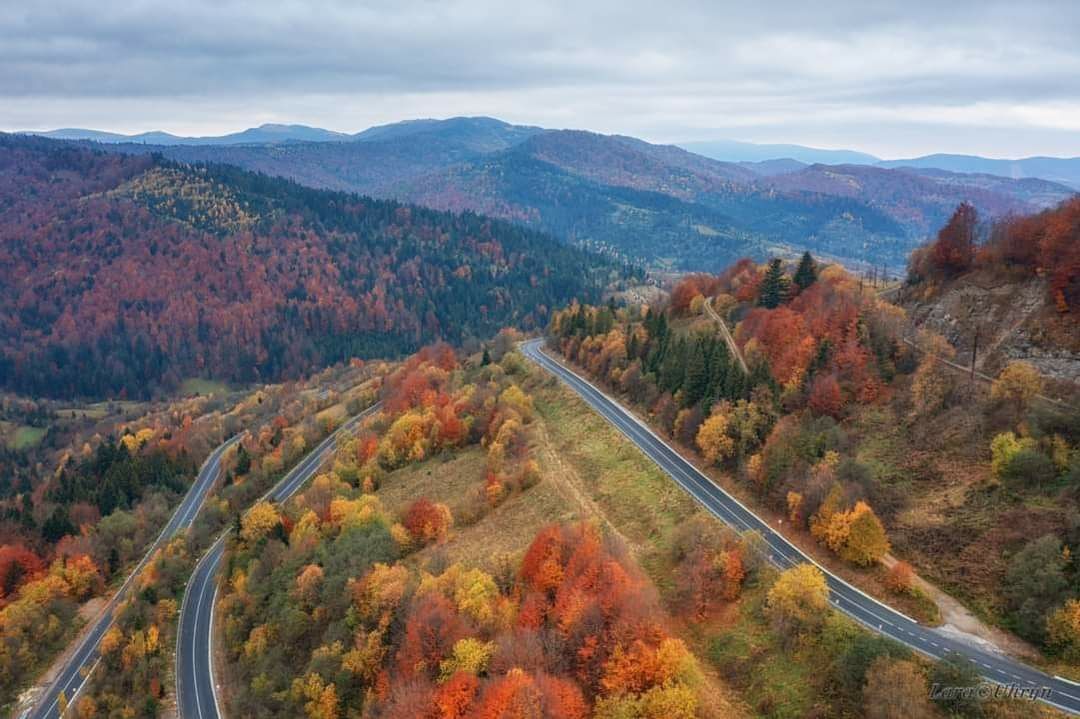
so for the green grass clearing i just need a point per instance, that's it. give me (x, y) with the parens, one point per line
(25, 436)
(203, 386)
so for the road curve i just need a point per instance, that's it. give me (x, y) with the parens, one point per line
(997, 668)
(196, 691)
(71, 679)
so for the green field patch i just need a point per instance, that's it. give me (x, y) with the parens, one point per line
(203, 386)
(24, 437)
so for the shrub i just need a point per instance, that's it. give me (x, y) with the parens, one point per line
(1029, 467)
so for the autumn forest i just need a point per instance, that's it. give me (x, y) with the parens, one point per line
(465, 535)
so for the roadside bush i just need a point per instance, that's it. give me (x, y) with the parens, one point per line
(1029, 467)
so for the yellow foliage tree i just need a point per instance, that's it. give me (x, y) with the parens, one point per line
(867, 541)
(322, 699)
(135, 651)
(896, 689)
(112, 640)
(257, 642)
(1003, 447)
(794, 506)
(797, 601)
(713, 440)
(133, 442)
(514, 397)
(1063, 629)
(258, 522)
(381, 590)
(473, 591)
(469, 655)
(365, 660)
(1017, 384)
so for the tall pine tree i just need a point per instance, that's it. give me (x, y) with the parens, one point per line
(773, 285)
(697, 375)
(806, 274)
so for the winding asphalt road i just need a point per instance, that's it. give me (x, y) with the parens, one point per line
(196, 691)
(997, 668)
(71, 678)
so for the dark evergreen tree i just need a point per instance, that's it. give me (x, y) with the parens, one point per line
(57, 525)
(697, 375)
(806, 274)
(773, 285)
(243, 460)
(719, 367)
(486, 359)
(673, 367)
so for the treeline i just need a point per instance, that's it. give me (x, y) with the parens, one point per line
(117, 475)
(1045, 244)
(697, 370)
(136, 273)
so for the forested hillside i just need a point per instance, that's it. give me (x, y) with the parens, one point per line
(130, 273)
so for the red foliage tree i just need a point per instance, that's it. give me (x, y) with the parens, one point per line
(432, 629)
(690, 287)
(426, 521)
(825, 397)
(453, 697)
(954, 249)
(782, 334)
(18, 565)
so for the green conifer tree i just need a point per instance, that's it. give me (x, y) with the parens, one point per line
(806, 274)
(773, 285)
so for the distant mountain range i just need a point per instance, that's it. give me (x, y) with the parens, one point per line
(660, 205)
(269, 134)
(1065, 170)
(733, 151)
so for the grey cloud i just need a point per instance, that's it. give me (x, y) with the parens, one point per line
(626, 66)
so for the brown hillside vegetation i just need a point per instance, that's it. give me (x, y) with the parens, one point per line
(1018, 291)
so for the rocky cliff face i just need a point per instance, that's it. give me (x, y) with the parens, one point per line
(1013, 321)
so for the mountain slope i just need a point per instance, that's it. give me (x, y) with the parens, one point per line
(133, 272)
(922, 201)
(263, 134)
(674, 210)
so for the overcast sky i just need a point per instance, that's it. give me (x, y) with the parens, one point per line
(997, 79)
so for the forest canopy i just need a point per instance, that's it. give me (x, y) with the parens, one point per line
(131, 273)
